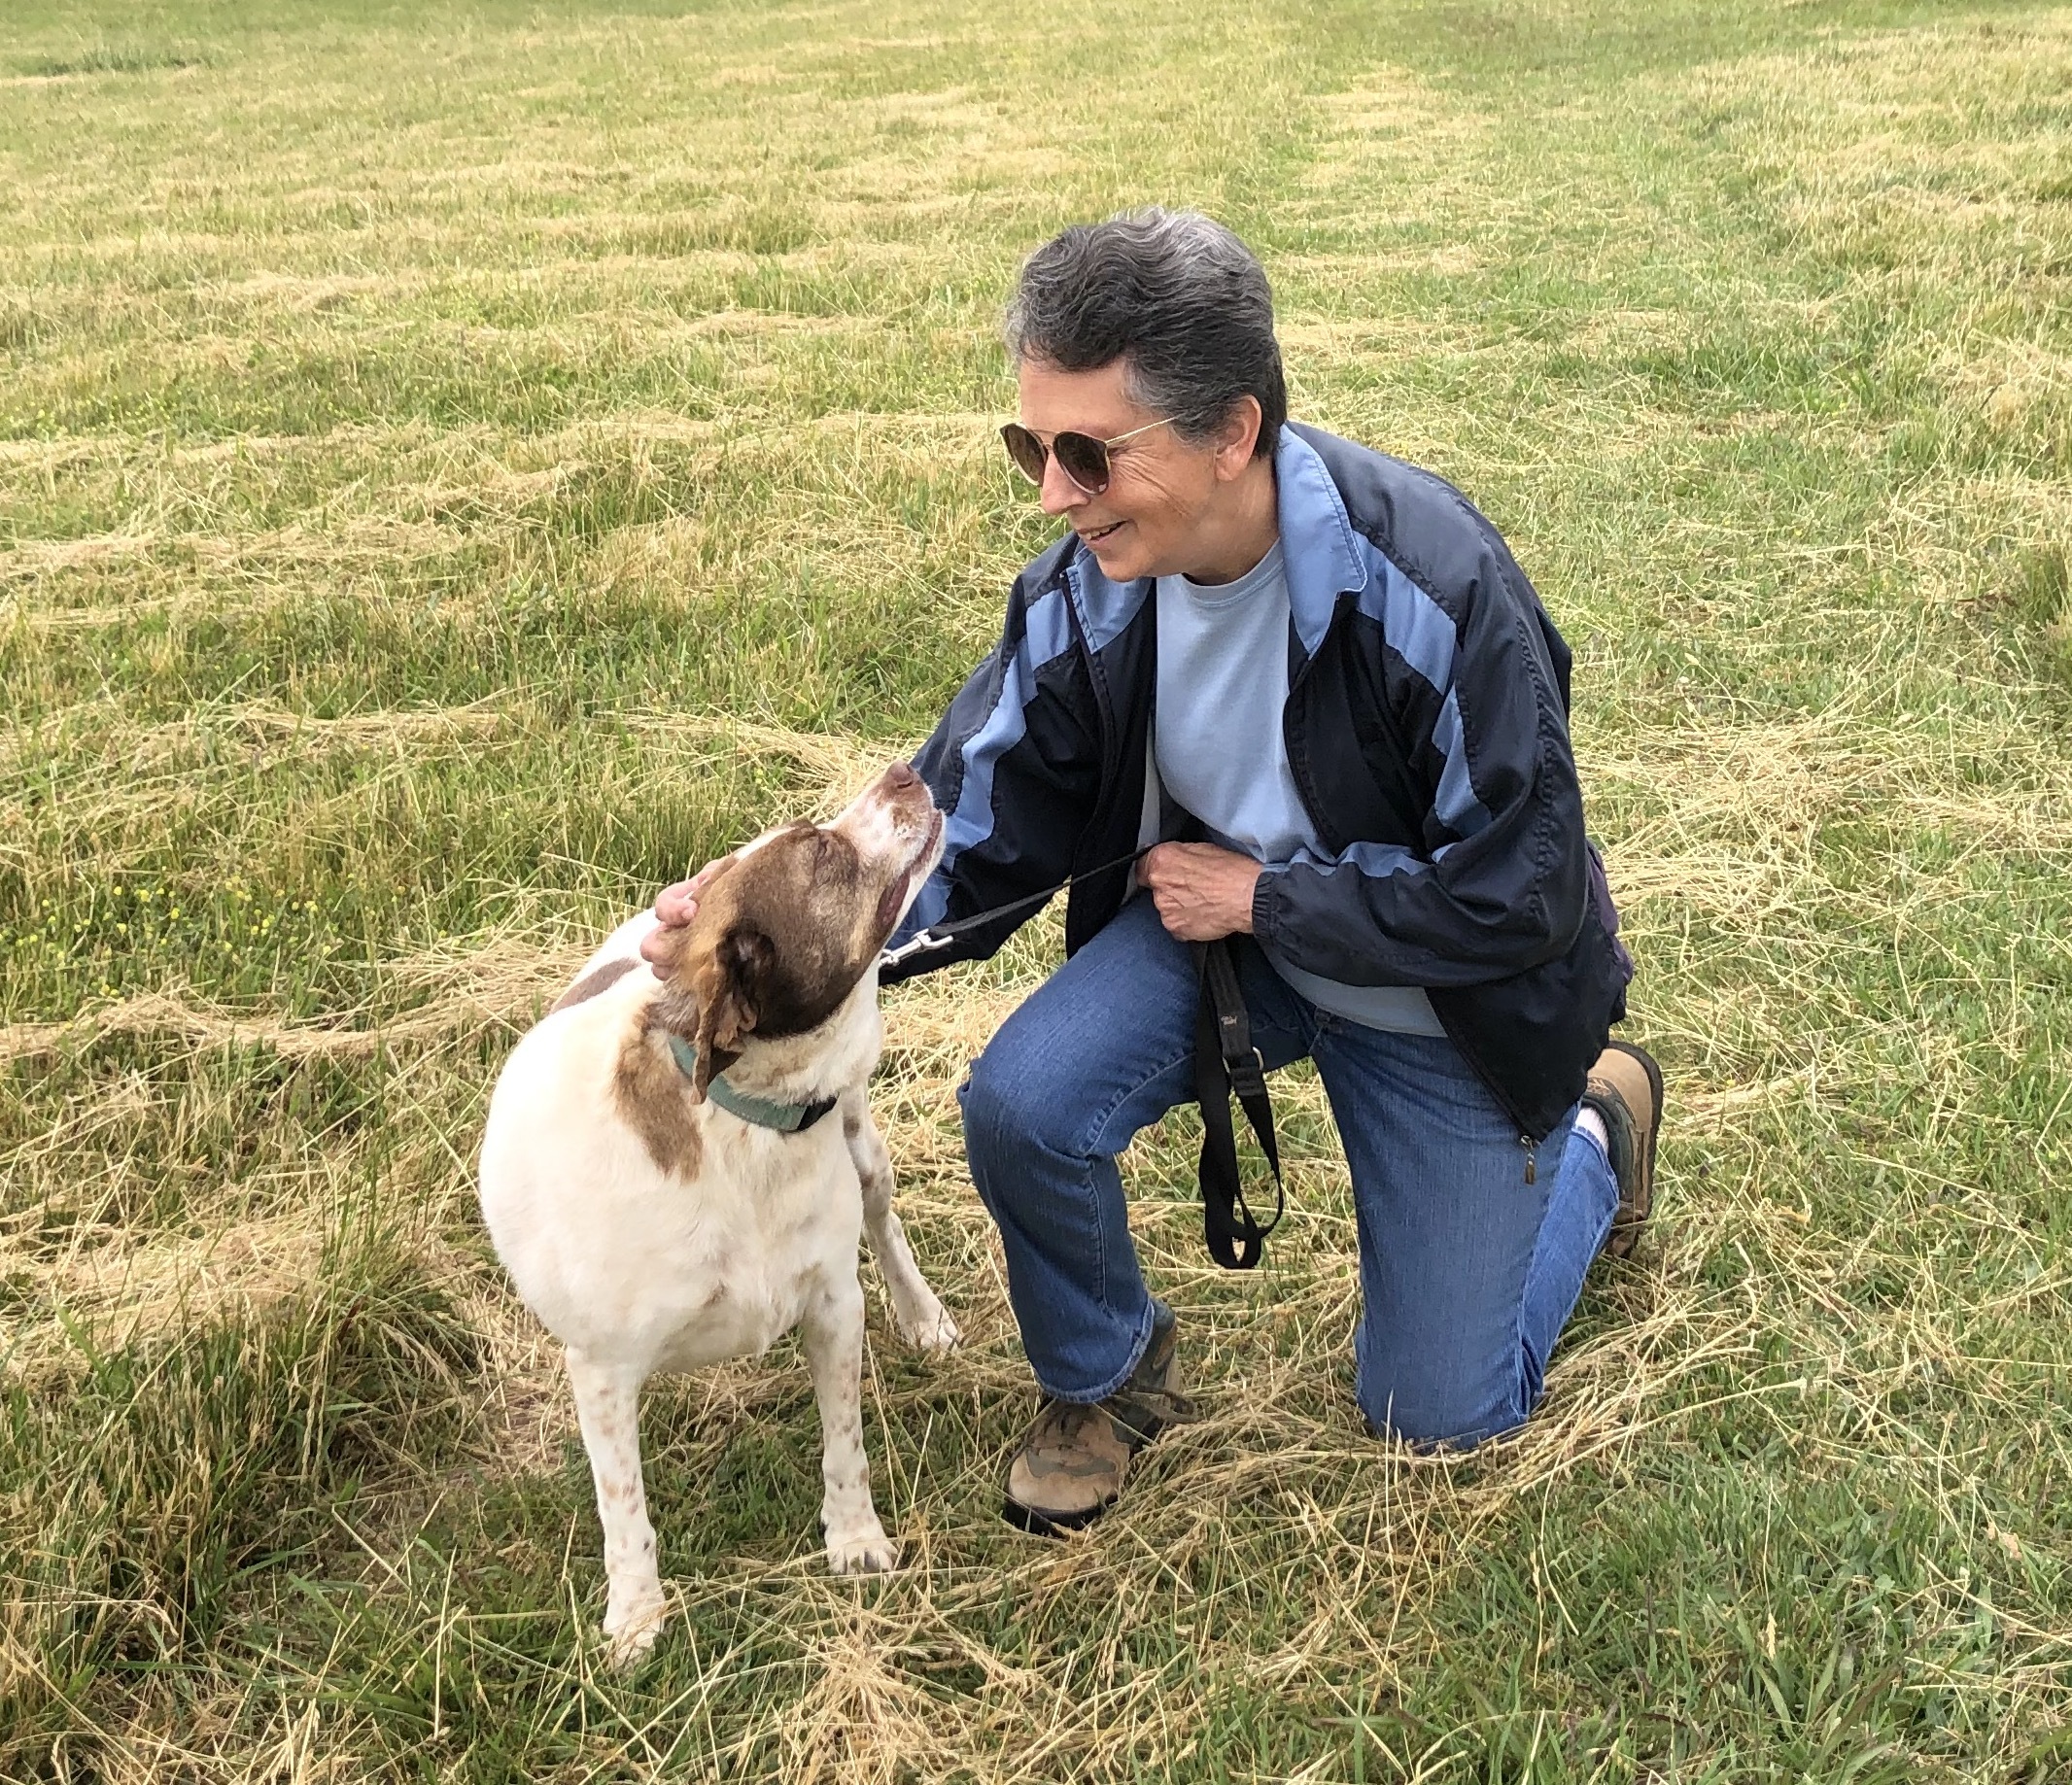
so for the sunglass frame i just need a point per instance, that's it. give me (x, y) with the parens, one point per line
(1066, 445)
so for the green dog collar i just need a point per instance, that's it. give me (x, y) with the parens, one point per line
(762, 1112)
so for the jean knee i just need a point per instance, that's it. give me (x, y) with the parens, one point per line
(1444, 1408)
(1428, 1429)
(1006, 1110)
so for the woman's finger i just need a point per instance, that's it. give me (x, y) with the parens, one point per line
(676, 906)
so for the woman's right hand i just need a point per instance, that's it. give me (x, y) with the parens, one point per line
(675, 907)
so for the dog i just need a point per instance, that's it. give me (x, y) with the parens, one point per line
(657, 1180)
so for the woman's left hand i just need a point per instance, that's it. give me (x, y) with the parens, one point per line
(1203, 893)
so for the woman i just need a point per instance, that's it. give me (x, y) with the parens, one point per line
(1325, 665)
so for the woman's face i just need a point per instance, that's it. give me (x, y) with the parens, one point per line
(1161, 503)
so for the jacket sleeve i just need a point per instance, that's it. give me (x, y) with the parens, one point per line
(1501, 884)
(1015, 770)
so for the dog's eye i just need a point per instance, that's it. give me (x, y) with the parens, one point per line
(833, 859)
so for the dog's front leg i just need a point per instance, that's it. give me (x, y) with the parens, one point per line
(856, 1543)
(923, 1321)
(607, 1407)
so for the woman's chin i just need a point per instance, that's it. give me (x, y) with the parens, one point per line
(1121, 560)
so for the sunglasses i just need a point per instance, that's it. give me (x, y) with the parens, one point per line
(1080, 456)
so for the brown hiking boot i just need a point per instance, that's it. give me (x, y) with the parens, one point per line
(1070, 1468)
(1625, 1089)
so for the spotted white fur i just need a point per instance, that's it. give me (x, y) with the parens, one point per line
(638, 1269)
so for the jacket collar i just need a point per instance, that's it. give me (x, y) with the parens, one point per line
(1316, 538)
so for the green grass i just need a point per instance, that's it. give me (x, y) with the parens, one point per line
(461, 465)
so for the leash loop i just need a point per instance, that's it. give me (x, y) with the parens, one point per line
(1226, 1063)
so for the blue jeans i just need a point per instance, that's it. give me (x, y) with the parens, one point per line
(1468, 1272)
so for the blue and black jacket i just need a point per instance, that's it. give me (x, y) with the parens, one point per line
(1427, 728)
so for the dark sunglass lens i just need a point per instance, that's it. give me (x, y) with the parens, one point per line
(1026, 449)
(1084, 461)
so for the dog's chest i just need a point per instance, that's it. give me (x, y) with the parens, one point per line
(657, 1244)
(724, 1264)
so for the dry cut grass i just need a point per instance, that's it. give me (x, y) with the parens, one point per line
(454, 475)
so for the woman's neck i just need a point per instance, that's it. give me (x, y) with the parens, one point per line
(1241, 529)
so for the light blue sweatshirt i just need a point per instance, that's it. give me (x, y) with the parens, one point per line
(1220, 753)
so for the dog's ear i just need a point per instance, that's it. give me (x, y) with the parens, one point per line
(730, 985)
(670, 947)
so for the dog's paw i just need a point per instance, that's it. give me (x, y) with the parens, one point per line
(865, 1553)
(929, 1330)
(630, 1631)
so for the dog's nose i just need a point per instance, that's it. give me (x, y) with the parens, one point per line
(901, 776)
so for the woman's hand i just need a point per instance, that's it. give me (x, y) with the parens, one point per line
(1203, 893)
(675, 907)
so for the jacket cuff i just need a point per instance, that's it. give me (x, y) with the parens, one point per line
(1265, 899)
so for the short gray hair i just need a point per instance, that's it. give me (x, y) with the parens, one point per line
(1174, 296)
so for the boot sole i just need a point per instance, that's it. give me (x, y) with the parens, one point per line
(1048, 1525)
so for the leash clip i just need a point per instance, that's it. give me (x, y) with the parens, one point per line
(920, 943)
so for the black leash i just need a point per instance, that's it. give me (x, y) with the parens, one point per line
(1226, 1063)
(942, 935)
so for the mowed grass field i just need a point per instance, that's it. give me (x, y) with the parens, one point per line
(460, 466)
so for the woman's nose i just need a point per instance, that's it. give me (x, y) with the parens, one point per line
(1059, 493)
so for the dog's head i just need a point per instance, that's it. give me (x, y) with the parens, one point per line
(787, 928)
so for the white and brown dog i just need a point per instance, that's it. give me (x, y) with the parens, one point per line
(659, 1183)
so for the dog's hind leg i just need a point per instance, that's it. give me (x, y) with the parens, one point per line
(833, 1330)
(607, 1406)
(923, 1321)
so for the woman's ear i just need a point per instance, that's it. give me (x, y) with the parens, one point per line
(1238, 437)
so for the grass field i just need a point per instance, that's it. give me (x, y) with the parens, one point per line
(462, 466)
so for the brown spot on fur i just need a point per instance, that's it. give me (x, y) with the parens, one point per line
(780, 939)
(654, 1097)
(590, 983)
(784, 931)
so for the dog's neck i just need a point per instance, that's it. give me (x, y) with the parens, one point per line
(836, 1056)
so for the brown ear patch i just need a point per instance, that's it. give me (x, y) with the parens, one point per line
(665, 945)
(727, 984)
(650, 1091)
(601, 978)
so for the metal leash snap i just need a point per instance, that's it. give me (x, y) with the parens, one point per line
(942, 935)
(918, 944)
